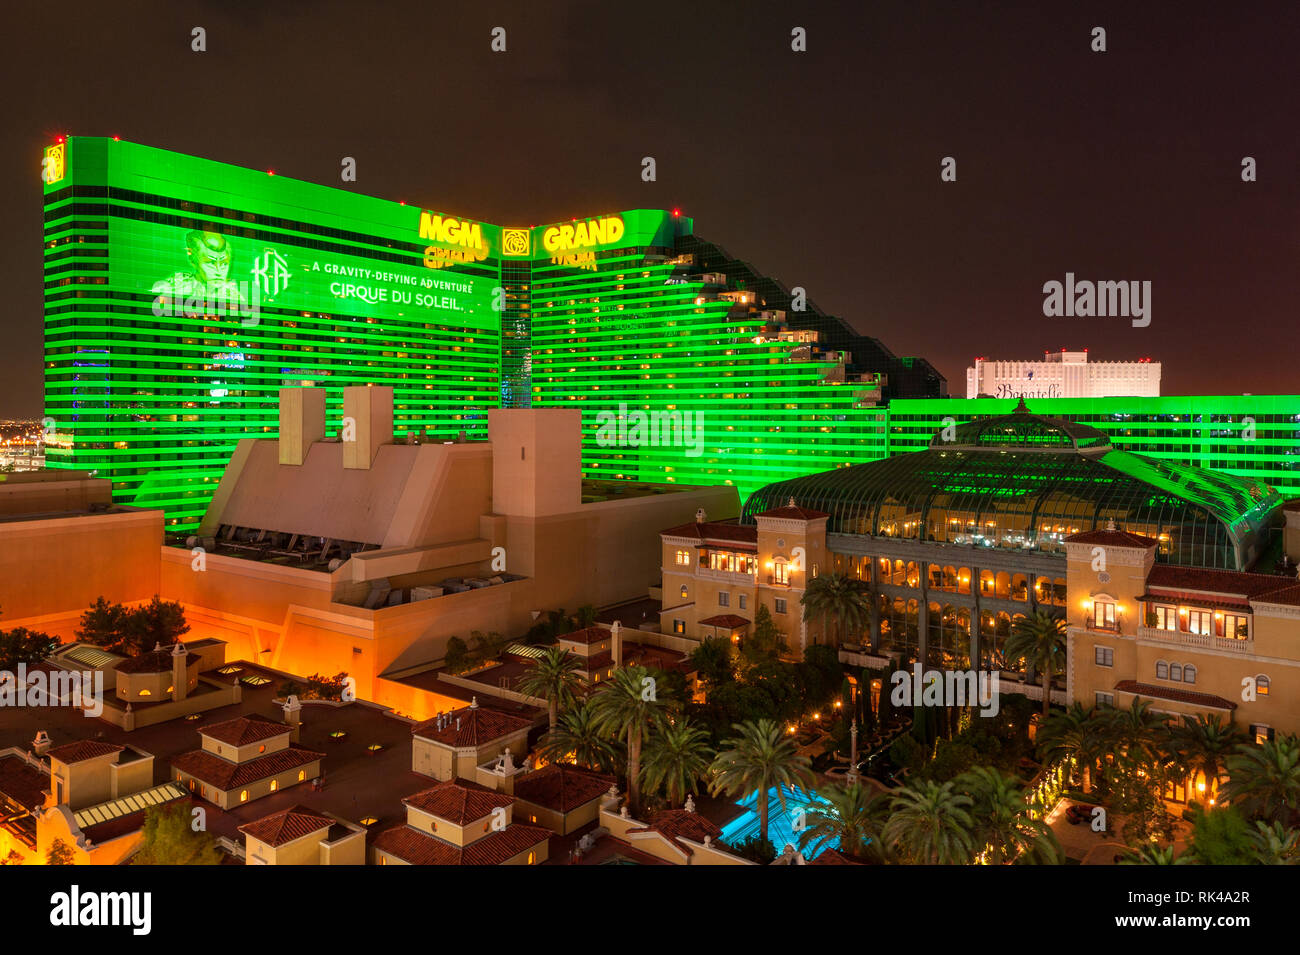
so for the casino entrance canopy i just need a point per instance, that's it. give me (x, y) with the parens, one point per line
(1025, 482)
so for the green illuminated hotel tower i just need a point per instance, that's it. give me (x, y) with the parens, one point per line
(181, 294)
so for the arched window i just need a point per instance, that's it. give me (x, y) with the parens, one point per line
(1189, 674)
(1019, 587)
(243, 796)
(1162, 670)
(302, 774)
(532, 858)
(683, 591)
(1176, 672)
(963, 580)
(913, 574)
(1261, 685)
(275, 784)
(986, 583)
(1004, 585)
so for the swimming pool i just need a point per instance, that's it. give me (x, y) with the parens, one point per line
(780, 824)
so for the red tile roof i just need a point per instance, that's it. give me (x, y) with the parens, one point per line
(22, 782)
(562, 787)
(155, 661)
(729, 620)
(722, 532)
(420, 848)
(83, 749)
(1287, 595)
(1188, 582)
(834, 857)
(225, 775)
(470, 726)
(1175, 696)
(459, 802)
(287, 825)
(794, 512)
(243, 730)
(587, 636)
(598, 662)
(1112, 538)
(674, 824)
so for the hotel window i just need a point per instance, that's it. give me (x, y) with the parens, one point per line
(262, 748)
(743, 601)
(1105, 699)
(780, 604)
(1103, 615)
(683, 558)
(1176, 672)
(532, 856)
(1189, 674)
(724, 599)
(781, 573)
(1236, 626)
(1261, 733)
(275, 784)
(1261, 685)
(683, 592)
(1162, 670)
(679, 626)
(1166, 618)
(243, 796)
(302, 774)
(1104, 656)
(1200, 621)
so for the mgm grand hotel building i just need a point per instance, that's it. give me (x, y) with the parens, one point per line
(961, 539)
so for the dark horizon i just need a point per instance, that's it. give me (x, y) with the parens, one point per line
(821, 168)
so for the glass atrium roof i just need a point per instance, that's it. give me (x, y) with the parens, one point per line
(1025, 482)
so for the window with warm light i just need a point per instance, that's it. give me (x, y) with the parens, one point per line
(781, 571)
(1235, 626)
(262, 748)
(682, 592)
(1200, 622)
(1261, 685)
(302, 774)
(243, 796)
(275, 784)
(1103, 615)
(1166, 618)
(679, 626)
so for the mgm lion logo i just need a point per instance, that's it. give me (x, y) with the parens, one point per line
(515, 241)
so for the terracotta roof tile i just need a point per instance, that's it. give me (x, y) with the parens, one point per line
(22, 782)
(1175, 696)
(459, 802)
(287, 825)
(562, 787)
(723, 532)
(225, 775)
(470, 726)
(155, 661)
(83, 749)
(1112, 538)
(419, 848)
(674, 824)
(729, 620)
(587, 636)
(243, 730)
(1188, 580)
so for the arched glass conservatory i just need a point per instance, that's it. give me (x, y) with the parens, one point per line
(1026, 482)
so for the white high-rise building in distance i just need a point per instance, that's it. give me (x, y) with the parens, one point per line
(1063, 374)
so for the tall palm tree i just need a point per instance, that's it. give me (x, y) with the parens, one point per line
(1138, 735)
(1039, 641)
(931, 824)
(1202, 744)
(842, 598)
(676, 758)
(626, 706)
(554, 677)
(576, 739)
(1072, 736)
(853, 814)
(1005, 828)
(757, 759)
(1264, 780)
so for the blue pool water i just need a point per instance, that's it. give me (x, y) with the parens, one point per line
(780, 823)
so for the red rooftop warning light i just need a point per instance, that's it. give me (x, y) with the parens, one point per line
(677, 213)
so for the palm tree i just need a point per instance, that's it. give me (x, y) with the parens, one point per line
(1072, 736)
(1149, 853)
(853, 814)
(554, 678)
(1201, 744)
(676, 758)
(1275, 844)
(1039, 641)
(1004, 822)
(931, 824)
(1264, 780)
(842, 598)
(575, 738)
(626, 707)
(757, 759)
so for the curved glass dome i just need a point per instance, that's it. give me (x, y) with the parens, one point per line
(1022, 430)
(1032, 495)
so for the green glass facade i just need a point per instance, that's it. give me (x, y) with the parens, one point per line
(181, 294)
(1255, 436)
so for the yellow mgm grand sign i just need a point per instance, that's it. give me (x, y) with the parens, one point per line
(567, 243)
(460, 241)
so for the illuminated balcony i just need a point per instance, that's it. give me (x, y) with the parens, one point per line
(1205, 641)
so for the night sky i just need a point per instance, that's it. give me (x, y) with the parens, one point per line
(819, 168)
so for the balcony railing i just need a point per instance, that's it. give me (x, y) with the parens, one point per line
(730, 576)
(1207, 641)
